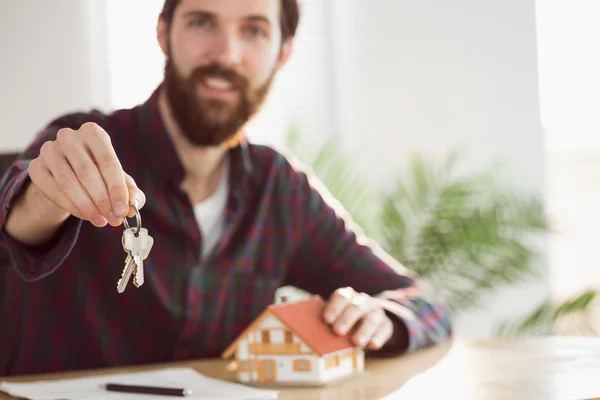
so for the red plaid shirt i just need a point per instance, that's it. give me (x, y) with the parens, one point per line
(59, 307)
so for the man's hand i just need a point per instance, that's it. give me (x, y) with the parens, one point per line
(347, 309)
(81, 174)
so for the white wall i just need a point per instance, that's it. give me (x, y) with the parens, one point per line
(435, 76)
(48, 65)
(570, 89)
(569, 79)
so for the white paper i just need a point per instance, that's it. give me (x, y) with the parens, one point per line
(90, 388)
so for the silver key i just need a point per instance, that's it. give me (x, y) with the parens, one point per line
(138, 243)
(127, 271)
(147, 242)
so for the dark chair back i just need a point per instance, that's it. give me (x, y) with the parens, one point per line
(6, 159)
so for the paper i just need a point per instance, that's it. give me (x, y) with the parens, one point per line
(89, 388)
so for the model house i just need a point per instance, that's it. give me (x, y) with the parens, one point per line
(290, 343)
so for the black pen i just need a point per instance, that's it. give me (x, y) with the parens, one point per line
(115, 387)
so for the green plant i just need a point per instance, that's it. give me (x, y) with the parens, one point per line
(570, 317)
(331, 164)
(466, 234)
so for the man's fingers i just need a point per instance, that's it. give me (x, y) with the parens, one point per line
(353, 312)
(87, 172)
(98, 144)
(67, 181)
(337, 303)
(346, 309)
(87, 178)
(136, 196)
(369, 325)
(382, 335)
(43, 179)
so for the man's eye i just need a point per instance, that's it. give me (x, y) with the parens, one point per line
(200, 22)
(255, 31)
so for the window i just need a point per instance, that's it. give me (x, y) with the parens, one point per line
(569, 68)
(332, 361)
(302, 93)
(289, 336)
(131, 24)
(302, 365)
(266, 337)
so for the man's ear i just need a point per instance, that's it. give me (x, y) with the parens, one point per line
(284, 53)
(162, 34)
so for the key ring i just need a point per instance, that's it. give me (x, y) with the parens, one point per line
(138, 219)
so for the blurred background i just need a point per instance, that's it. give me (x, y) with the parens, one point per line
(463, 136)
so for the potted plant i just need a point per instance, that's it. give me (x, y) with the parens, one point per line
(464, 234)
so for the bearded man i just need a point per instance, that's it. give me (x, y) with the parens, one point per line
(232, 221)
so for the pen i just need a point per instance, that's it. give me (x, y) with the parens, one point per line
(115, 387)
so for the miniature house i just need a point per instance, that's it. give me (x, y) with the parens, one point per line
(290, 343)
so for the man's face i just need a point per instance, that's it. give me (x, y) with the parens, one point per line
(222, 56)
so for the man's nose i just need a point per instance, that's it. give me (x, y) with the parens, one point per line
(228, 50)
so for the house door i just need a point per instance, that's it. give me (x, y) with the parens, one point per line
(266, 370)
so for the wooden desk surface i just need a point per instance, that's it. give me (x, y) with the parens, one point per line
(383, 376)
(542, 368)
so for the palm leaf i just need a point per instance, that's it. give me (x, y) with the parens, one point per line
(463, 234)
(571, 317)
(331, 165)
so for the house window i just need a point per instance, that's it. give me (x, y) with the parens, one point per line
(246, 365)
(266, 338)
(332, 362)
(302, 365)
(289, 337)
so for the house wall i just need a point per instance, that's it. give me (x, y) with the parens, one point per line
(285, 369)
(284, 363)
(344, 368)
(361, 360)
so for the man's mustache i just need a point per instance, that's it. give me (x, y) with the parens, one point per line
(218, 71)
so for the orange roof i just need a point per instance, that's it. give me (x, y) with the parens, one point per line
(305, 318)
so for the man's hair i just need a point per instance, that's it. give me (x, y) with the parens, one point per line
(290, 16)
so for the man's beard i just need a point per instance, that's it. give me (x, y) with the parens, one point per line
(211, 122)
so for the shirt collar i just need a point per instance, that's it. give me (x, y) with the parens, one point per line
(159, 152)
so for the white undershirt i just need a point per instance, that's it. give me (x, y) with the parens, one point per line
(210, 213)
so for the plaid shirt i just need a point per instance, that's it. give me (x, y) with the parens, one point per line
(59, 307)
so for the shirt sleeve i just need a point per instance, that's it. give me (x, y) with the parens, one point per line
(33, 263)
(333, 254)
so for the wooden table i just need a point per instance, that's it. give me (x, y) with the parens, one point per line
(541, 368)
(383, 376)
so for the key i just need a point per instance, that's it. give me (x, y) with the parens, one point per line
(127, 271)
(130, 263)
(139, 245)
(147, 242)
